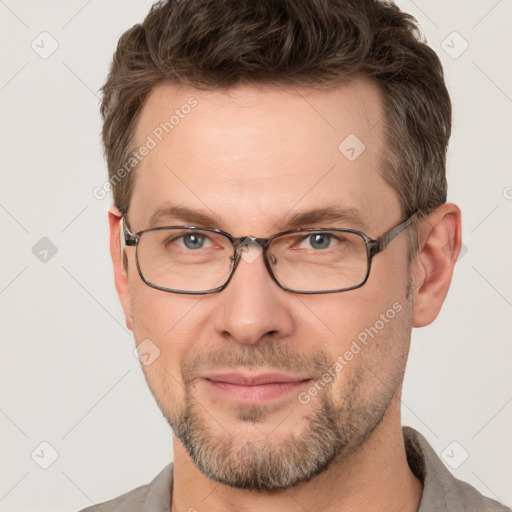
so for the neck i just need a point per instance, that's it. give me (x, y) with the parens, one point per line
(375, 476)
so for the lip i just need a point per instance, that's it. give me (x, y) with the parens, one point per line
(254, 388)
(246, 379)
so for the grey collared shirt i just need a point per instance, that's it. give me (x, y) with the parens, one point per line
(442, 492)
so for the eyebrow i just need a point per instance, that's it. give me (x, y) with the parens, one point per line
(347, 217)
(189, 216)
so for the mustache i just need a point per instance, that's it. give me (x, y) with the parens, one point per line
(271, 356)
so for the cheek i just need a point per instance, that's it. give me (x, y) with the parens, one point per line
(163, 382)
(163, 323)
(370, 359)
(341, 318)
(168, 321)
(366, 330)
(157, 314)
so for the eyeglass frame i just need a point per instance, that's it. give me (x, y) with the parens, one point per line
(373, 247)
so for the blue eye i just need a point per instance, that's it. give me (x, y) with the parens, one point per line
(320, 240)
(193, 241)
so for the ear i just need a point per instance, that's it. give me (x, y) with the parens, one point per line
(119, 263)
(439, 243)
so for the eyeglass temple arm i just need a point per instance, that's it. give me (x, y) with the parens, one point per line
(385, 238)
(127, 238)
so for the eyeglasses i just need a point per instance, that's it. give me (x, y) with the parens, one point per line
(196, 260)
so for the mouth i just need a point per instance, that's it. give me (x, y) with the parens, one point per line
(254, 388)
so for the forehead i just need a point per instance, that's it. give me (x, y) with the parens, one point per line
(251, 155)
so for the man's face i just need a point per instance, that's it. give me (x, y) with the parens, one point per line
(250, 159)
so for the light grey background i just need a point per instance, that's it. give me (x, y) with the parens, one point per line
(68, 374)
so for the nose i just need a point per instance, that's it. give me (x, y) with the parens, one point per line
(253, 306)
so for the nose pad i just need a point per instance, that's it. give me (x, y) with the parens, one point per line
(249, 249)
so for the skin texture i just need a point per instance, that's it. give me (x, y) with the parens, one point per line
(250, 158)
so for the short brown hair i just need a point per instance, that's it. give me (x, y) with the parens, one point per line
(211, 44)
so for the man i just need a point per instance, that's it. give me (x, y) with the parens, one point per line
(280, 225)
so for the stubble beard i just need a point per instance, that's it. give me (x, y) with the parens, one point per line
(331, 431)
